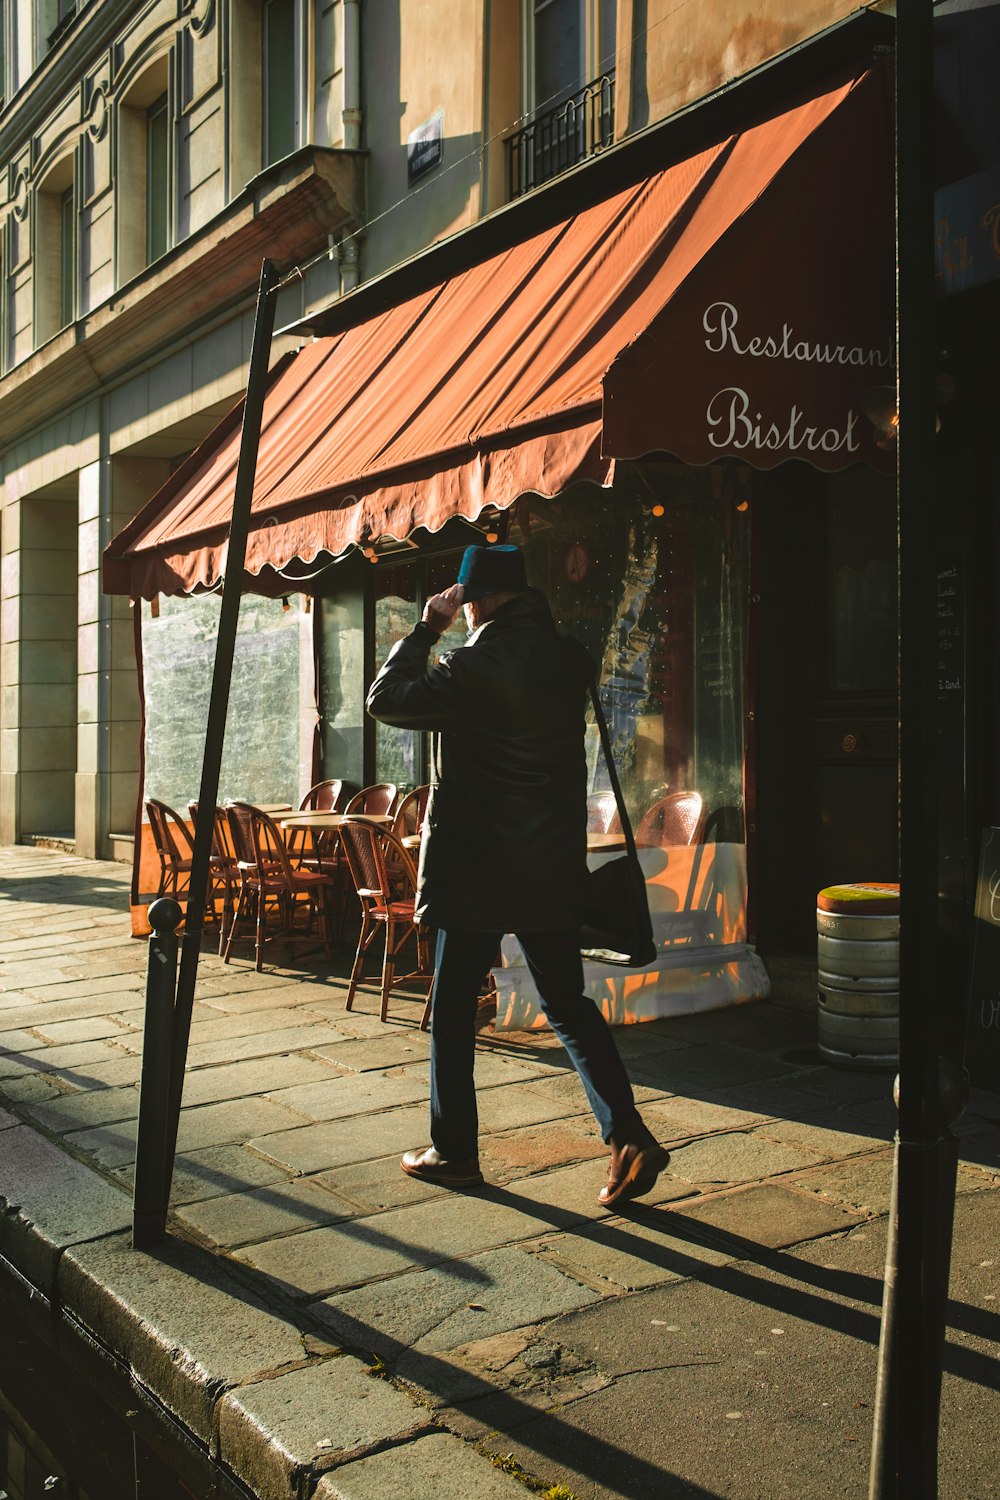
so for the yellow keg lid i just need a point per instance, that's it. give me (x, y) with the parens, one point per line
(871, 898)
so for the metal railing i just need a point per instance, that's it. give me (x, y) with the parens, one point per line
(577, 128)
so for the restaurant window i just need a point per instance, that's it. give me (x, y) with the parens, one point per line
(144, 169)
(55, 252)
(67, 256)
(342, 717)
(567, 94)
(652, 579)
(281, 80)
(157, 179)
(267, 755)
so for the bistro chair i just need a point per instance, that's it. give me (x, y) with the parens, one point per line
(328, 796)
(673, 820)
(224, 875)
(271, 891)
(325, 796)
(408, 819)
(174, 848)
(602, 813)
(376, 861)
(378, 799)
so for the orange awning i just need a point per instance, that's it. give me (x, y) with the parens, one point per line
(591, 340)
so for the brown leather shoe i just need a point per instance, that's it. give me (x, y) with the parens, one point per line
(633, 1171)
(430, 1166)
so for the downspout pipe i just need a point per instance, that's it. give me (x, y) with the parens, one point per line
(350, 270)
(351, 115)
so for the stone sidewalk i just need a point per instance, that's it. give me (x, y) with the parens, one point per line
(319, 1323)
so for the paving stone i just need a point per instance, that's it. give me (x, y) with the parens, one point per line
(79, 989)
(574, 1190)
(841, 1086)
(534, 1150)
(835, 1143)
(438, 1465)
(62, 1010)
(33, 1088)
(93, 1107)
(738, 1157)
(51, 1201)
(251, 1076)
(180, 1319)
(213, 1171)
(981, 1149)
(335, 1143)
(265, 989)
(279, 1209)
(91, 1029)
(491, 1070)
(377, 1054)
(20, 1041)
(70, 1061)
(7, 1122)
(372, 1185)
(10, 1000)
(278, 1432)
(337, 1097)
(207, 1125)
(208, 1026)
(120, 1071)
(321, 1261)
(563, 1087)
(262, 1044)
(862, 1185)
(676, 1118)
(619, 1255)
(360, 1023)
(529, 1104)
(716, 1066)
(768, 1215)
(453, 1304)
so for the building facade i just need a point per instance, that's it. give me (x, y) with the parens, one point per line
(743, 613)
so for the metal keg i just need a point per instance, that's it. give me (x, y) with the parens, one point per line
(858, 960)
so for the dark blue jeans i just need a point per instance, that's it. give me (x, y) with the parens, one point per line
(463, 958)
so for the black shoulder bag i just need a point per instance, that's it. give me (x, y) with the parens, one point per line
(616, 926)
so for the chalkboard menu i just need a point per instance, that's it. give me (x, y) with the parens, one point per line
(982, 1052)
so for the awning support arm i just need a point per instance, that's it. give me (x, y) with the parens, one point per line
(154, 1224)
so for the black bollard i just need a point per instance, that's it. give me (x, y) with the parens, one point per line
(154, 1090)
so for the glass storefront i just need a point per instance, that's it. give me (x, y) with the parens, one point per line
(268, 746)
(652, 578)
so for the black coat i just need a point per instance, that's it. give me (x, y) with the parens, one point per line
(505, 843)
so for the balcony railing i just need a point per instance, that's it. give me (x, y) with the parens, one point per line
(577, 128)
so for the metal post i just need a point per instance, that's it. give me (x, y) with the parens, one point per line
(154, 1087)
(907, 1401)
(216, 729)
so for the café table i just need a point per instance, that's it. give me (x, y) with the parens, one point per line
(327, 821)
(597, 843)
(605, 843)
(318, 822)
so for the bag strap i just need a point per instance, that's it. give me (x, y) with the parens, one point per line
(630, 848)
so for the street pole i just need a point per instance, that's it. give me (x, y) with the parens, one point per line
(154, 1220)
(908, 1392)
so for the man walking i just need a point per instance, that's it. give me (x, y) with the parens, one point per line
(504, 849)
